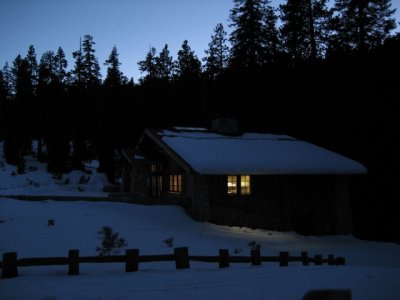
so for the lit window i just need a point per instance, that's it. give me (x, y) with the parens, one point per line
(232, 185)
(175, 183)
(233, 182)
(245, 185)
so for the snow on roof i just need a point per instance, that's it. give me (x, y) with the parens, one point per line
(254, 154)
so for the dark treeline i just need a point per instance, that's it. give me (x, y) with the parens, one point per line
(326, 75)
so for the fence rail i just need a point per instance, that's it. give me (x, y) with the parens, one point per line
(181, 256)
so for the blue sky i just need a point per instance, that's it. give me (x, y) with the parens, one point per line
(133, 26)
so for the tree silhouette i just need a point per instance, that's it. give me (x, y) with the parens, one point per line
(188, 66)
(304, 29)
(84, 94)
(90, 64)
(108, 116)
(216, 60)
(114, 76)
(148, 65)
(60, 65)
(164, 64)
(77, 72)
(32, 66)
(7, 90)
(254, 34)
(361, 25)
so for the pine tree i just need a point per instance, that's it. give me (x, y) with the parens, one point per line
(254, 38)
(4, 91)
(188, 66)
(305, 29)
(148, 65)
(85, 95)
(45, 92)
(60, 65)
(271, 41)
(21, 78)
(87, 70)
(361, 25)
(216, 60)
(77, 72)
(17, 138)
(47, 68)
(164, 64)
(52, 126)
(90, 65)
(109, 115)
(4, 95)
(6, 82)
(33, 68)
(114, 77)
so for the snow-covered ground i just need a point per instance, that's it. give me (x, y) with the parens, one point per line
(36, 181)
(372, 269)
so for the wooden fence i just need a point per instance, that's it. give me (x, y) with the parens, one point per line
(181, 257)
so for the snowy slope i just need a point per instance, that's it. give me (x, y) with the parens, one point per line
(36, 181)
(372, 270)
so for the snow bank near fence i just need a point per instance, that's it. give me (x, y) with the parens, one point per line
(372, 270)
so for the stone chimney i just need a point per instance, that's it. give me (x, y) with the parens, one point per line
(225, 126)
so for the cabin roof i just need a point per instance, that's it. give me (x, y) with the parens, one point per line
(208, 152)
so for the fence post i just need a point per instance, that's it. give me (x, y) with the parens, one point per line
(304, 258)
(318, 260)
(283, 259)
(73, 262)
(255, 257)
(223, 258)
(331, 260)
(9, 265)
(131, 260)
(182, 258)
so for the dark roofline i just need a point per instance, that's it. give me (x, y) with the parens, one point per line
(152, 134)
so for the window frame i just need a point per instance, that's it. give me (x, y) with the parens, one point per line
(240, 185)
(245, 185)
(232, 185)
(175, 183)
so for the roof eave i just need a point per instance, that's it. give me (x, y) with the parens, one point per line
(152, 134)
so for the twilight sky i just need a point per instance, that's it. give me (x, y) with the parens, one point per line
(133, 26)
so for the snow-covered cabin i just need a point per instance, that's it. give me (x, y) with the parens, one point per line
(250, 179)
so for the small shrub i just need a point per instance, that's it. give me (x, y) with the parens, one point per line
(169, 242)
(111, 243)
(51, 222)
(237, 250)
